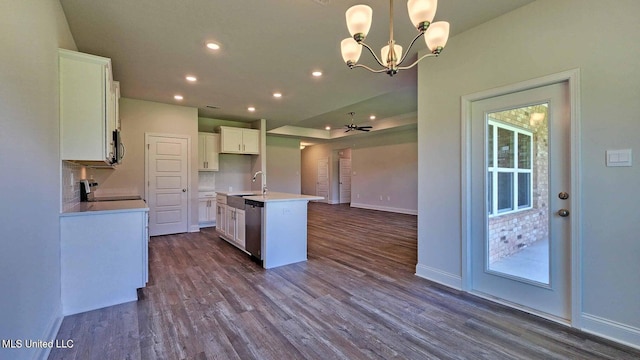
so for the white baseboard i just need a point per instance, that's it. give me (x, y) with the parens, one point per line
(439, 276)
(333, 202)
(385, 208)
(612, 330)
(194, 228)
(51, 333)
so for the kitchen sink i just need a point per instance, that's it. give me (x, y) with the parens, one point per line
(236, 201)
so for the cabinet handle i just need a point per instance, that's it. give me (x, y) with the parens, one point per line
(239, 148)
(244, 147)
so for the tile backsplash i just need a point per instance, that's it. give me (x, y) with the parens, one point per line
(71, 175)
(206, 180)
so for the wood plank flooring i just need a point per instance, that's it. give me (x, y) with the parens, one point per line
(355, 298)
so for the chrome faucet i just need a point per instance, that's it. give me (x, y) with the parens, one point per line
(264, 181)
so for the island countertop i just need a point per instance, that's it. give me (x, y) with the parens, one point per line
(271, 196)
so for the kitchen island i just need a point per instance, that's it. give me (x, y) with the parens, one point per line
(283, 230)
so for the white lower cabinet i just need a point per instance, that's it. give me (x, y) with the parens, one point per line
(104, 259)
(207, 210)
(221, 215)
(230, 223)
(240, 230)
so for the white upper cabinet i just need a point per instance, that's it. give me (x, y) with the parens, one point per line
(208, 150)
(239, 140)
(88, 115)
(116, 103)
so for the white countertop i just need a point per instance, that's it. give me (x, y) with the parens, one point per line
(271, 196)
(92, 208)
(206, 189)
(241, 192)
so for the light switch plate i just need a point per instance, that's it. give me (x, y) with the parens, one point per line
(617, 158)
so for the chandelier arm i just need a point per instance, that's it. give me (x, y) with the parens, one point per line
(417, 61)
(373, 53)
(406, 52)
(368, 68)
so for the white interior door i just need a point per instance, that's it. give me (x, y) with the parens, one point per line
(345, 181)
(167, 184)
(322, 183)
(520, 182)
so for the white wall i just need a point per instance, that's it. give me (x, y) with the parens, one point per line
(30, 33)
(137, 118)
(283, 164)
(384, 165)
(546, 37)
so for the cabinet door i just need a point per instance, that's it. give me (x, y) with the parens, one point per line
(208, 149)
(203, 211)
(211, 213)
(111, 115)
(211, 146)
(202, 152)
(84, 94)
(240, 228)
(230, 140)
(231, 223)
(250, 141)
(116, 103)
(221, 223)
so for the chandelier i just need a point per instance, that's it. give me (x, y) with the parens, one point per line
(421, 13)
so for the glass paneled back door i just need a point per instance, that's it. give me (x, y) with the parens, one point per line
(520, 163)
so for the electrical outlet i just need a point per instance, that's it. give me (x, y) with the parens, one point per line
(380, 197)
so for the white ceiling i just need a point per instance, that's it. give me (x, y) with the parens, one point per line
(267, 46)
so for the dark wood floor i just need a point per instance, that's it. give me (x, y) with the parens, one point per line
(355, 298)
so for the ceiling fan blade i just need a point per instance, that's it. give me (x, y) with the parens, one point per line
(365, 127)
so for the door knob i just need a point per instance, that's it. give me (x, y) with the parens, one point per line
(184, 190)
(563, 195)
(563, 212)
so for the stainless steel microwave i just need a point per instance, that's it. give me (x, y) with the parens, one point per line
(118, 148)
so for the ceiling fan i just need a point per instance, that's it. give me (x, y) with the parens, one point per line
(352, 126)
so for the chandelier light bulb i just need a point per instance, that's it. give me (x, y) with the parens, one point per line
(351, 50)
(385, 54)
(421, 11)
(359, 20)
(437, 35)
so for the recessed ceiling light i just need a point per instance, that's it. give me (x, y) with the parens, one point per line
(251, 108)
(327, 127)
(213, 46)
(372, 117)
(317, 73)
(178, 97)
(191, 78)
(277, 95)
(302, 147)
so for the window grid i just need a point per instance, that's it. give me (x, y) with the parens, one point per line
(493, 170)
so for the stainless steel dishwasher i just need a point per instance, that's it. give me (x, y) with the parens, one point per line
(253, 227)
